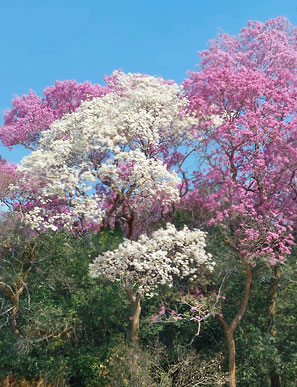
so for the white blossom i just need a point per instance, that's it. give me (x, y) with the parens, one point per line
(87, 149)
(162, 259)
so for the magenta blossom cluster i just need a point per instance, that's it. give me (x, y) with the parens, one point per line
(250, 160)
(7, 177)
(191, 306)
(32, 114)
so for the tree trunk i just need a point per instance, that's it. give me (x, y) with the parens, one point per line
(275, 379)
(274, 376)
(130, 223)
(14, 314)
(230, 328)
(232, 354)
(136, 310)
(135, 319)
(14, 300)
(272, 300)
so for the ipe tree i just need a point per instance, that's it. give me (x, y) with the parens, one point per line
(168, 257)
(115, 159)
(249, 177)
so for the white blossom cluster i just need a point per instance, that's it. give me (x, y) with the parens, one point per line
(169, 255)
(88, 148)
(139, 112)
(142, 180)
(35, 217)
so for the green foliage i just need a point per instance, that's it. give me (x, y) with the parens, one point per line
(63, 311)
(73, 329)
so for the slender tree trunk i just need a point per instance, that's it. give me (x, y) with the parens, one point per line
(232, 354)
(135, 319)
(275, 380)
(130, 227)
(135, 301)
(14, 314)
(230, 328)
(14, 301)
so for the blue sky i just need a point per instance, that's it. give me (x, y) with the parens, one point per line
(47, 40)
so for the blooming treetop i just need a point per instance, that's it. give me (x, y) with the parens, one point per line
(251, 161)
(111, 155)
(32, 114)
(140, 112)
(168, 257)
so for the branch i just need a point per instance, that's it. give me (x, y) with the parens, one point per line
(7, 290)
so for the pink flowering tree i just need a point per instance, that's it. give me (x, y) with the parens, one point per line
(31, 114)
(168, 257)
(249, 179)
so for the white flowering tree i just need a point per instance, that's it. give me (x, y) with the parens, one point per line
(114, 157)
(168, 257)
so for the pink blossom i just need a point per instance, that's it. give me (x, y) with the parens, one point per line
(162, 310)
(178, 318)
(32, 114)
(250, 81)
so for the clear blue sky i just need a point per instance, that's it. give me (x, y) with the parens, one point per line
(47, 40)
